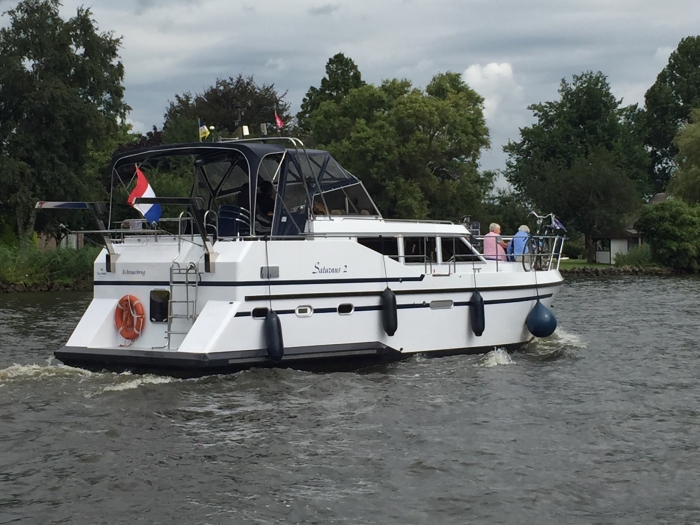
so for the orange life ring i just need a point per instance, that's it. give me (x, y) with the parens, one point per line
(129, 317)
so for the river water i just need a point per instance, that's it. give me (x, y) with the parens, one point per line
(599, 423)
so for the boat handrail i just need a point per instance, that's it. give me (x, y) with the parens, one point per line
(414, 221)
(296, 143)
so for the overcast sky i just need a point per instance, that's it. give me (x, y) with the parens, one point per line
(512, 52)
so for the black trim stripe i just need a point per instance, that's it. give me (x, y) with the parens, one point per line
(371, 308)
(132, 283)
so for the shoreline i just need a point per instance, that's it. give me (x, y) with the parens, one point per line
(615, 270)
(46, 287)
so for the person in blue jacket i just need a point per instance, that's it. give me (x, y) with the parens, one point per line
(518, 244)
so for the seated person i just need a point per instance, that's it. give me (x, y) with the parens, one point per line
(518, 244)
(319, 208)
(494, 245)
(265, 207)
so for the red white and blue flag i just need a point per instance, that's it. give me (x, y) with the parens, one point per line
(150, 212)
(279, 121)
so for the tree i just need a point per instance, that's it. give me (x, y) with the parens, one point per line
(227, 105)
(685, 183)
(671, 229)
(583, 160)
(416, 152)
(505, 208)
(668, 105)
(342, 75)
(60, 95)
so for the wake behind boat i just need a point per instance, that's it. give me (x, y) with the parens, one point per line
(280, 258)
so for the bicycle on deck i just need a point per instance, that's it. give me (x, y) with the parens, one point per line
(543, 248)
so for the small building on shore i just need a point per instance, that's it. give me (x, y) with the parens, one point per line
(71, 240)
(621, 240)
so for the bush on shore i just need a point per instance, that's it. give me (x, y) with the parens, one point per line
(29, 266)
(637, 256)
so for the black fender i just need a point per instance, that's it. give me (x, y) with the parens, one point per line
(476, 313)
(390, 320)
(273, 336)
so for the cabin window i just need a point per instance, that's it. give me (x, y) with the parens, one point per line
(456, 249)
(237, 177)
(441, 304)
(383, 245)
(346, 309)
(304, 311)
(420, 249)
(260, 313)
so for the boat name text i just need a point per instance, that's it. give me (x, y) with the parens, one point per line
(330, 269)
(134, 272)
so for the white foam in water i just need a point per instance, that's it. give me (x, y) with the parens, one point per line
(559, 340)
(137, 382)
(22, 372)
(565, 338)
(496, 357)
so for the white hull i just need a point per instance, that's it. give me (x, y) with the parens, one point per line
(316, 277)
(294, 273)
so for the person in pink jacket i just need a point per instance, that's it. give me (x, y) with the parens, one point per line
(494, 245)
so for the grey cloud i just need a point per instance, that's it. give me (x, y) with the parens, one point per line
(143, 6)
(284, 44)
(323, 10)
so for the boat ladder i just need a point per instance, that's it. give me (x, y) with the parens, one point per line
(182, 304)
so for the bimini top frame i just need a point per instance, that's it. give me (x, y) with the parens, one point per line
(305, 180)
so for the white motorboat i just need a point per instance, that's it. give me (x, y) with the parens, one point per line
(318, 280)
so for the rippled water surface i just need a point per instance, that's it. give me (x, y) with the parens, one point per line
(597, 424)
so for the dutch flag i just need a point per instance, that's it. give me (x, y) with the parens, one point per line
(150, 212)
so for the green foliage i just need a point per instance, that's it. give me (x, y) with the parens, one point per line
(30, 266)
(685, 183)
(226, 105)
(342, 75)
(669, 103)
(505, 208)
(637, 256)
(574, 247)
(60, 95)
(671, 229)
(583, 159)
(415, 151)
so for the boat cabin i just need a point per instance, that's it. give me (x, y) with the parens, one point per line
(245, 188)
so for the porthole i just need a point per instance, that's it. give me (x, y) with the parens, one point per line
(259, 313)
(304, 311)
(346, 309)
(441, 304)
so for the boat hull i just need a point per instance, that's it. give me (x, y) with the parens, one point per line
(328, 296)
(186, 365)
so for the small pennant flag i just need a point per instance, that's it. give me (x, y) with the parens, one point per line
(203, 132)
(150, 212)
(279, 121)
(556, 224)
